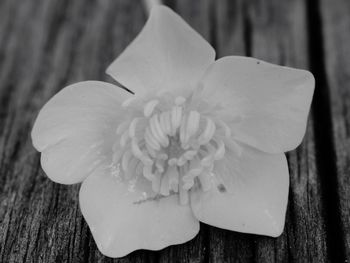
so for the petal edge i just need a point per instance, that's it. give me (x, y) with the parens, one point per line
(167, 54)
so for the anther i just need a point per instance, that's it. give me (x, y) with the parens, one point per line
(183, 131)
(176, 117)
(173, 176)
(192, 125)
(181, 161)
(208, 132)
(157, 131)
(165, 122)
(132, 127)
(149, 107)
(139, 154)
(190, 154)
(164, 187)
(150, 140)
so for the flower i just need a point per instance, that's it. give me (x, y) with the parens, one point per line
(200, 140)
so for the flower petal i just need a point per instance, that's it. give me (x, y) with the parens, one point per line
(272, 101)
(75, 128)
(124, 218)
(253, 197)
(167, 54)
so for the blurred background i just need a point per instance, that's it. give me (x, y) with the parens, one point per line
(48, 44)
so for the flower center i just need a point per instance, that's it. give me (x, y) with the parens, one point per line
(174, 143)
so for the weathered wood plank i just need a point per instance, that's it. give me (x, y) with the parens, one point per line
(47, 44)
(275, 31)
(44, 46)
(335, 21)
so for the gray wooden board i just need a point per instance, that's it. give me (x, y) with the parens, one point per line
(48, 44)
(336, 39)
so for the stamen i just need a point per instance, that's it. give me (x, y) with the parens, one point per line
(175, 146)
(162, 156)
(149, 107)
(150, 150)
(194, 170)
(172, 162)
(164, 187)
(132, 127)
(208, 133)
(168, 127)
(173, 176)
(181, 161)
(139, 154)
(188, 180)
(157, 131)
(165, 123)
(190, 154)
(176, 117)
(182, 131)
(192, 125)
(209, 159)
(151, 141)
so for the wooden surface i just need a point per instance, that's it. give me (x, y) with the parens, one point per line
(47, 44)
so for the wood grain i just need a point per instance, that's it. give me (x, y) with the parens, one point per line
(336, 38)
(48, 44)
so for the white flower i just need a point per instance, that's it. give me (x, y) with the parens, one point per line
(201, 140)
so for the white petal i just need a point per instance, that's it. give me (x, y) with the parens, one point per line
(121, 221)
(255, 196)
(272, 101)
(75, 129)
(168, 54)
